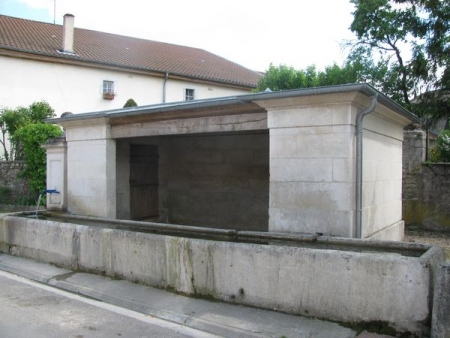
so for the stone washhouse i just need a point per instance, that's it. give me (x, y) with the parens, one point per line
(319, 160)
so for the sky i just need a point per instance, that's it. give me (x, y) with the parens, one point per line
(253, 33)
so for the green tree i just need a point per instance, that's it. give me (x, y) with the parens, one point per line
(11, 120)
(27, 132)
(32, 136)
(40, 111)
(411, 40)
(279, 78)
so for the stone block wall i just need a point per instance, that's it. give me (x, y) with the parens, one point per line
(13, 188)
(311, 171)
(217, 181)
(426, 188)
(436, 197)
(91, 170)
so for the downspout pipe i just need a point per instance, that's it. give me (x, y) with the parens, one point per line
(359, 161)
(164, 86)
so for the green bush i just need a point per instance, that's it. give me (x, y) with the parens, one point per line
(441, 150)
(130, 103)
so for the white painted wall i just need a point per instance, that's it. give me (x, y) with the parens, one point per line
(382, 173)
(176, 89)
(57, 175)
(78, 89)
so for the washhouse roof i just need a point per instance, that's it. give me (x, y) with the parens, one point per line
(241, 103)
(105, 49)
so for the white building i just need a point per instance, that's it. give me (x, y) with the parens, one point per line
(80, 70)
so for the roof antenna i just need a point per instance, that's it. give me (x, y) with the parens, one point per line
(54, 12)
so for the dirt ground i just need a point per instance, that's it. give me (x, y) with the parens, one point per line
(441, 239)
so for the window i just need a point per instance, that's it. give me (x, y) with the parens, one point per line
(189, 94)
(108, 87)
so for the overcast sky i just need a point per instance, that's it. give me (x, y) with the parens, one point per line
(253, 33)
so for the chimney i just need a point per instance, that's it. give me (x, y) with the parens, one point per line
(68, 28)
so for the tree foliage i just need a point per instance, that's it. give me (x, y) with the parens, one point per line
(356, 69)
(411, 41)
(27, 132)
(11, 120)
(32, 136)
(283, 77)
(441, 150)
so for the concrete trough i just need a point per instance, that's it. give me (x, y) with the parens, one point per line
(344, 280)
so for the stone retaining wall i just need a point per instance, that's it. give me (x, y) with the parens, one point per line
(426, 188)
(12, 188)
(441, 304)
(436, 197)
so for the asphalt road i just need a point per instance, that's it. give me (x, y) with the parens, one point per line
(30, 309)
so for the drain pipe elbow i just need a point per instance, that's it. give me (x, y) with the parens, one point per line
(359, 161)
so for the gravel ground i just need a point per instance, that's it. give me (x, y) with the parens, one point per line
(441, 239)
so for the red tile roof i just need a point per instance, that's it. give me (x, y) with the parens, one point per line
(121, 51)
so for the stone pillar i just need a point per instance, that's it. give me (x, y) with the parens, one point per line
(123, 185)
(414, 152)
(91, 167)
(57, 173)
